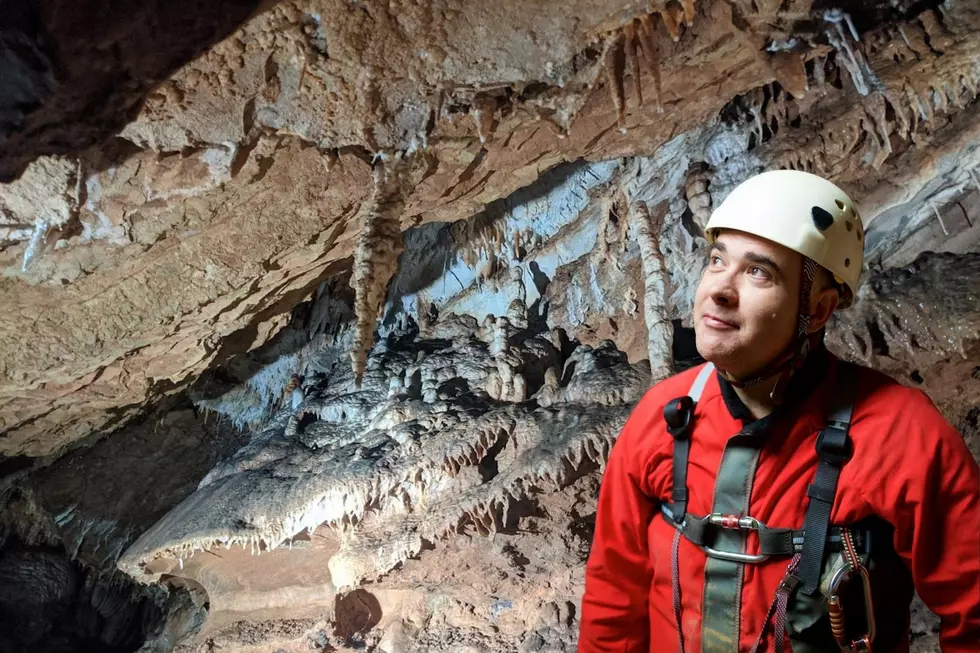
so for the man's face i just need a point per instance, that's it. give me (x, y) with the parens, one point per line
(746, 305)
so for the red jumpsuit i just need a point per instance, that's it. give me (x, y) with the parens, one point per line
(909, 468)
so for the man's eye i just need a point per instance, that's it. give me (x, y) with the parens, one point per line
(715, 260)
(758, 272)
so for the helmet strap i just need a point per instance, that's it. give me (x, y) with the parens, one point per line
(792, 359)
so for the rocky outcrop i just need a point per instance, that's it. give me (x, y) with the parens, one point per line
(75, 73)
(368, 284)
(245, 178)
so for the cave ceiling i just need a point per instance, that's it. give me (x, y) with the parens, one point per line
(211, 190)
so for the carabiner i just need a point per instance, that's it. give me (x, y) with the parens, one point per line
(735, 522)
(837, 625)
(734, 557)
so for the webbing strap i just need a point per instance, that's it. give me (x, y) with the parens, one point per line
(777, 611)
(682, 442)
(833, 448)
(702, 379)
(774, 542)
(722, 599)
(678, 492)
(678, 506)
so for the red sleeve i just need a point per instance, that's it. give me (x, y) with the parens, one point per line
(617, 576)
(929, 490)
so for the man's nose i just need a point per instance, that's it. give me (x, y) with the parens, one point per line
(723, 290)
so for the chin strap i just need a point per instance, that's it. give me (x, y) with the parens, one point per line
(789, 363)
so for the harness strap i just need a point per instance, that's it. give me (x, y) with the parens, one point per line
(679, 413)
(807, 546)
(834, 449)
(773, 542)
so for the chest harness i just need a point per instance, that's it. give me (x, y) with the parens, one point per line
(805, 547)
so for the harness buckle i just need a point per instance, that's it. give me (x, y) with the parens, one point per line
(789, 583)
(677, 414)
(833, 445)
(735, 522)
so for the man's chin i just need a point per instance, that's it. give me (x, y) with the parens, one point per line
(726, 356)
(714, 349)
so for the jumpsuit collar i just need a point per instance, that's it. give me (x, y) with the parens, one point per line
(801, 387)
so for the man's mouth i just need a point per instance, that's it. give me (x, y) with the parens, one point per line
(716, 322)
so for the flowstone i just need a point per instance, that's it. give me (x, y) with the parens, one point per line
(445, 436)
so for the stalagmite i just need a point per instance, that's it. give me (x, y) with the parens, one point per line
(660, 331)
(376, 257)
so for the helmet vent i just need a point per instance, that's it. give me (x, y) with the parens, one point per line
(847, 263)
(850, 225)
(822, 219)
(840, 205)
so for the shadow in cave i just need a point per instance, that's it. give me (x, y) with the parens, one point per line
(52, 604)
(685, 348)
(355, 614)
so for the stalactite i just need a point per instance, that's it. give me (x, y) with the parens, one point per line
(820, 72)
(938, 37)
(649, 46)
(671, 16)
(689, 11)
(905, 125)
(851, 56)
(376, 257)
(639, 36)
(915, 39)
(35, 245)
(875, 109)
(790, 72)
(632, 55)
(484, 111)
(613, 62)
(660, 330)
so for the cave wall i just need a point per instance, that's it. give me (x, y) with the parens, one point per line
(182, 426)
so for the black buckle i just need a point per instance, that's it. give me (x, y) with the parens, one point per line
(677, 414)
(833, 445)
(789, 583)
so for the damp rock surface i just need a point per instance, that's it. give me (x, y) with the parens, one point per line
(302, 299)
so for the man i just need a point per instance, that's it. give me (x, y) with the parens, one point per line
(749, 516)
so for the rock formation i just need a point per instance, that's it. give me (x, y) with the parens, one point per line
(302, 298)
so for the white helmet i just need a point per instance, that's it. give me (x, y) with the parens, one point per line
(803, 212)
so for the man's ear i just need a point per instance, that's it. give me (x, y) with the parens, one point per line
(823, 303)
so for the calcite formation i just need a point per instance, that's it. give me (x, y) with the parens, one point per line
(429, 446)
(289, 110)
(660, 332)
(354, 285)
(376, 255)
